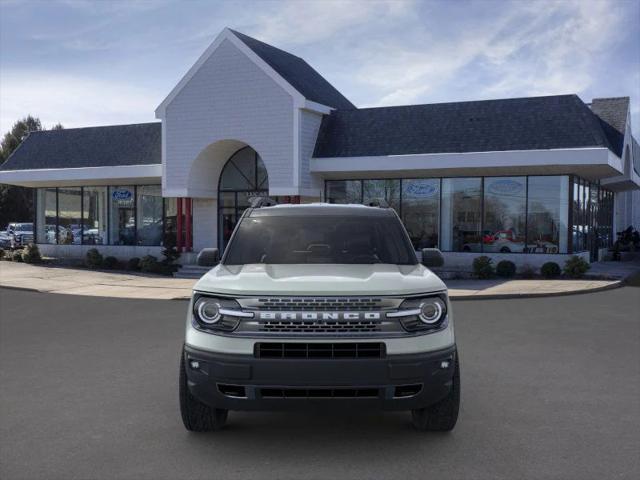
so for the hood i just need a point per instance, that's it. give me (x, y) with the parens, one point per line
(320, 279)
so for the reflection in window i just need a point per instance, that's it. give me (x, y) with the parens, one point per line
(420, 211)
(385, 193)
(170, 219)
(344, 191)
(461, 214)
(46, 215)
(122, 221)
(504, 214)
(548, 211)
(69, 216)
(149, 215)
(94, 216)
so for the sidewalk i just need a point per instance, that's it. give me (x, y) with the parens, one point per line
(74, 281)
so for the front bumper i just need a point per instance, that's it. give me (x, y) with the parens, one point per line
(244, 382)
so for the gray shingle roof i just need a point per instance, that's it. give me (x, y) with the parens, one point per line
(117, 145)
(298, 73)
(562, 121)
(613, 115)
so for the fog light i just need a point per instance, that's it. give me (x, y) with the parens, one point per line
(194, 364)
(444, 364)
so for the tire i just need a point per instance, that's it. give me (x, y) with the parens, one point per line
(197, 416)
(441, 416)
(505, 250)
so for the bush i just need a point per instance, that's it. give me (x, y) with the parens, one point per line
(16, 256)
(1, 253)
(149, 264)
(550, 270)
(483, 267)
(506, 269)
(110, 263)
(94, 258)
(576, 267)
(133, 264)
(31, 254)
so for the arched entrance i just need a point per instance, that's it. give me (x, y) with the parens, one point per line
(243, 176)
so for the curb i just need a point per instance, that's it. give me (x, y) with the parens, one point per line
(508, 296)
(454, 298)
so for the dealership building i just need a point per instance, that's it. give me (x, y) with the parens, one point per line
(529, 179)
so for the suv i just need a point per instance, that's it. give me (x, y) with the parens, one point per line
(320, 303)
(18, 235)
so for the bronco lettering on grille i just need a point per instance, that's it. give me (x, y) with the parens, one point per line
(319, 315)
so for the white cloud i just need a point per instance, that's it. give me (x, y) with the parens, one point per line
(530, 48)
(73, 101)
(295, 22)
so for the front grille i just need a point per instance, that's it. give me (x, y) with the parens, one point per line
(319, 304)
(319, 392)
(320, 350)
(319, 326)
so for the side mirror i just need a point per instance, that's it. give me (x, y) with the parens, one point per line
(432, 257)
(208, 257)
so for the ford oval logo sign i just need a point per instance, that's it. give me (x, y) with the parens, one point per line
(505, 187)
(422, 189)
(121, 194)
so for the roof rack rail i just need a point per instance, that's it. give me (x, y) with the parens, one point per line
(262, 201)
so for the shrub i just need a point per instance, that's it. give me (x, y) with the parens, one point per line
(506, 269)
(550, 270)
(16, 256)
(110, 263)
(94, 258)
(1, 253)
(170, 252)
(483, 267)
(133, 264)
(149, 264)
(31, 254)
(576, 267)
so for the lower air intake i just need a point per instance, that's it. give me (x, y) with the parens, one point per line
(319, 392)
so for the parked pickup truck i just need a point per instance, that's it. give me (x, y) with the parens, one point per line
(320, 304)
(17, 235)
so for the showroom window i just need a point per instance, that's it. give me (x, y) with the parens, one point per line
(505, 204)
(421, 211)
(344, 191)
(547, 214)
(46, 215)
(385, 193)
(100, 215)
(491, 214)
(149, 215)
(461, 214)
(69, 216)
(122, 217)
(94, 215)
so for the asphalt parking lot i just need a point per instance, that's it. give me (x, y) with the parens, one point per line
(550, 389)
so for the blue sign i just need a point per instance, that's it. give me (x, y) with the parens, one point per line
(422, 189)
(505, 187)
(121, 195)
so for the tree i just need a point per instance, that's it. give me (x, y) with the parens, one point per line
(16, 203)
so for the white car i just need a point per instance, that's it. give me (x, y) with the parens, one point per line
(319, 304)
(18, 235)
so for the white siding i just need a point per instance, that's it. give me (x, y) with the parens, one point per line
(309, 126)
(229, 98)
(205, 223)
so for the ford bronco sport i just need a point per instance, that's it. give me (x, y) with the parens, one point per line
(315, 304)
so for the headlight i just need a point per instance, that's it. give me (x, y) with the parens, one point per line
(215, 313)
(417, 314)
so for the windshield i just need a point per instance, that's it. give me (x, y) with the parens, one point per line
(23, 227)
(320, 239)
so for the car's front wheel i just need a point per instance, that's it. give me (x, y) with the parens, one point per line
(197, 416)
(441, 416)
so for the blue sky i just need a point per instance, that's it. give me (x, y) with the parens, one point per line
(86, 63)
